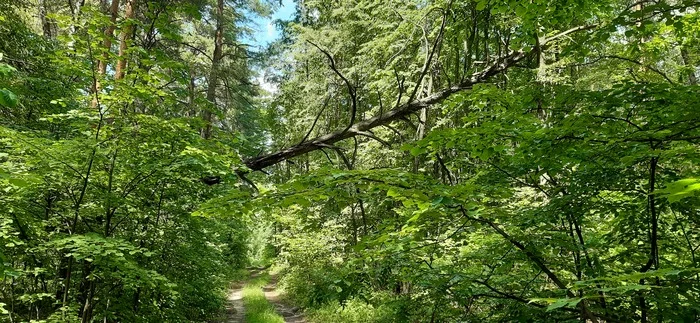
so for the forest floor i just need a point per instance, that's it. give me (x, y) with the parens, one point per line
(258, 300)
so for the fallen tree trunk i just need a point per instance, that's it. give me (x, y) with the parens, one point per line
(361, 128)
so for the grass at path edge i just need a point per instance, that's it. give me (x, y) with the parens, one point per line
(257, 308)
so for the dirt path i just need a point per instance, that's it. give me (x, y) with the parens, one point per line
(234, 307)
(235, 311)
(289, 313)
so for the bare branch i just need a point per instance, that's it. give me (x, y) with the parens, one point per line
(548, 40)
(400, 88)
(313, 125)
(428, 61)
(247, 181)
(371, 135)
(351, 89)
(328, 157)
(398, 113)
(655, 70)
(396, 131)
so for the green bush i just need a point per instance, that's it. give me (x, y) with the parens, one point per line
(353, 311)
(316, 274)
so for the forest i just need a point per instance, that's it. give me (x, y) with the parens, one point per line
(375, 161)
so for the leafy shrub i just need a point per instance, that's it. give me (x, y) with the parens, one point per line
(315, 273)
(353, 311)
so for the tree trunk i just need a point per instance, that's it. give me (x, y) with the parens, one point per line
(47, 24)
(208, 114)
(123, 38)
(191, 96)
(87, 293)
(692, 79)
(107, 45)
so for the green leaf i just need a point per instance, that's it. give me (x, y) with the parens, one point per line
(681, 189)
(555, 303)
(564, 302)
(6, 70)
(7, 98)
(18, 182)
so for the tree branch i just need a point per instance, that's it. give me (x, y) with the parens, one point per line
(313, 125)
(401, 111)
(429, 59)
(351, 89)
(372, 136)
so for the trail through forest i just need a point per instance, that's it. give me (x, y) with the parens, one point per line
(234, 309)
(394, 161)
(236, 297)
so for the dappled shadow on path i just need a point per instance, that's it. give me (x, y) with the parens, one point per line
(235, 310)
(234, 305)
(289, 313)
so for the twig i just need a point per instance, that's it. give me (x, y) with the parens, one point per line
(371, 135)
(428, 61)
(315, 121)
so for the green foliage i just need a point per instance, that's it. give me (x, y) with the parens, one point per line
(353, 311)
(560, 190)
(7, 98)
(681, 189)
(101, 174)
(510, 161)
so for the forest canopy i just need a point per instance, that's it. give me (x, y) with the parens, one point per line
(391, 161)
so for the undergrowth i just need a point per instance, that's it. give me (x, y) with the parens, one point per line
(354, 311)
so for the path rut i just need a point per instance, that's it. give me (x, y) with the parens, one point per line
(289, 313)
(235, 311)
